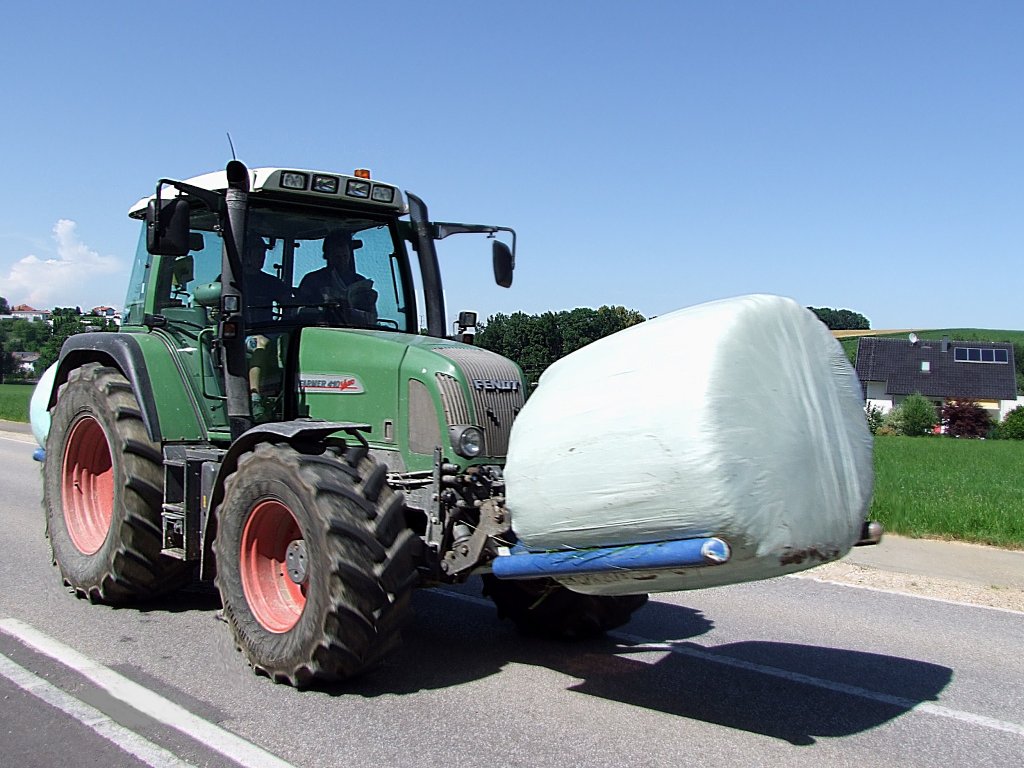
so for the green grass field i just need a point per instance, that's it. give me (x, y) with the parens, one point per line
(970, 490)
(14, 401)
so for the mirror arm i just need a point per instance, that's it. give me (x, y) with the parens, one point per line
(443, 229)
(213, 200)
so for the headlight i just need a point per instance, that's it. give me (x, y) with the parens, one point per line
(383, 194)
(467, 440)
(327, 184)
(355, 188)
(294, 180)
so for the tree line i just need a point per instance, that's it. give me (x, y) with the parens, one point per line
(841, 319)
(41, 337)
(532, 341)
(536, 341)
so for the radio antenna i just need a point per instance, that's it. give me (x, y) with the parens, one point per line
(232, 145)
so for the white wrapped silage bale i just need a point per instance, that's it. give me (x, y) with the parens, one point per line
(39, 416)
(740, 419)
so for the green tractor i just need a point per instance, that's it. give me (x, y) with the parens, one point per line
(271, 417)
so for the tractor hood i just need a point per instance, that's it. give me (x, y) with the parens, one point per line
(412, 390)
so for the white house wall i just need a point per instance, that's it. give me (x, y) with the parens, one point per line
(1005, 406)
(883, 405)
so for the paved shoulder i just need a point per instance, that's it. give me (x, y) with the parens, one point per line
(17, 427)
(948, 570)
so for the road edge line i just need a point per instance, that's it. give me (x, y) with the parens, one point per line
(902, 593)
(102, 725)
(162, 710)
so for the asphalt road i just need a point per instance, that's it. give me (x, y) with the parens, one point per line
(787, 672)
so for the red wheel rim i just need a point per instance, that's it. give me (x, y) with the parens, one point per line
(275, 600)
(88, 485)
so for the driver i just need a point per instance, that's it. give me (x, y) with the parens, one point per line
(339, 284)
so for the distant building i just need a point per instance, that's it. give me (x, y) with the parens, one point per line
(25, 312)
(25, 361)
(107, 312)
(892, 369)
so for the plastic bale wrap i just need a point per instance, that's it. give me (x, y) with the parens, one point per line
(39, 416)
(740, 418)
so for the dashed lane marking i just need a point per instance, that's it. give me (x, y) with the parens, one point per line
(685, 648)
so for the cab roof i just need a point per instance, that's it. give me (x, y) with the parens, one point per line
(300, 182)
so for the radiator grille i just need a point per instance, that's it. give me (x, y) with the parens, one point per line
(495, 407)
(424, 431)
(456, 409)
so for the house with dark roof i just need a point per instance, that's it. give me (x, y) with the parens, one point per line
(25, 361)
(891, 369)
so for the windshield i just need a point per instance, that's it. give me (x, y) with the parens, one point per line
(314, 267)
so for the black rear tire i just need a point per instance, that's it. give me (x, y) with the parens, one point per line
(333, 519)
(544, 608)
(102, 483)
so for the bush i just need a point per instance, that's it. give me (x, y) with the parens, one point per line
(875, 416)
(913, 417)
(1012, 427)
(965, 418)
(892, 424)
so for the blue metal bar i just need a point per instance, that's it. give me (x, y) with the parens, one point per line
(664, 555)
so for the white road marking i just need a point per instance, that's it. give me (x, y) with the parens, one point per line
(15, 437)
(163, 710)
(123, 738)
(686, 648)
(904, 594)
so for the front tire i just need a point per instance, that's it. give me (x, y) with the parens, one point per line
(102, 484)
(315, 565)
(544, 608)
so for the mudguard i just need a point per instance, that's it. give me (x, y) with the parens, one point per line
(143, 359)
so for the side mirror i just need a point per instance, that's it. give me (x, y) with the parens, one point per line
(167, 232)
(207, 294)
(504, 263)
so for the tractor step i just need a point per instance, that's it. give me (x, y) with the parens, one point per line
(189, 474)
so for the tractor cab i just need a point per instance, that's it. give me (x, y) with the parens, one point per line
(234, 265)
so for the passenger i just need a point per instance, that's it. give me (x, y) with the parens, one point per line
(262, 291)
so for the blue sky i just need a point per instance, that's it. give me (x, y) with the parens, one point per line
(861, 155)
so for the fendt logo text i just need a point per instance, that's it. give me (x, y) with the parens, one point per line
(496, 385)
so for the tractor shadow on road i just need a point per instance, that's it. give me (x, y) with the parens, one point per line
(796, 693)
(197, 596)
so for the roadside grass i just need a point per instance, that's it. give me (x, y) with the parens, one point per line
(940, 487)
(14, 401)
